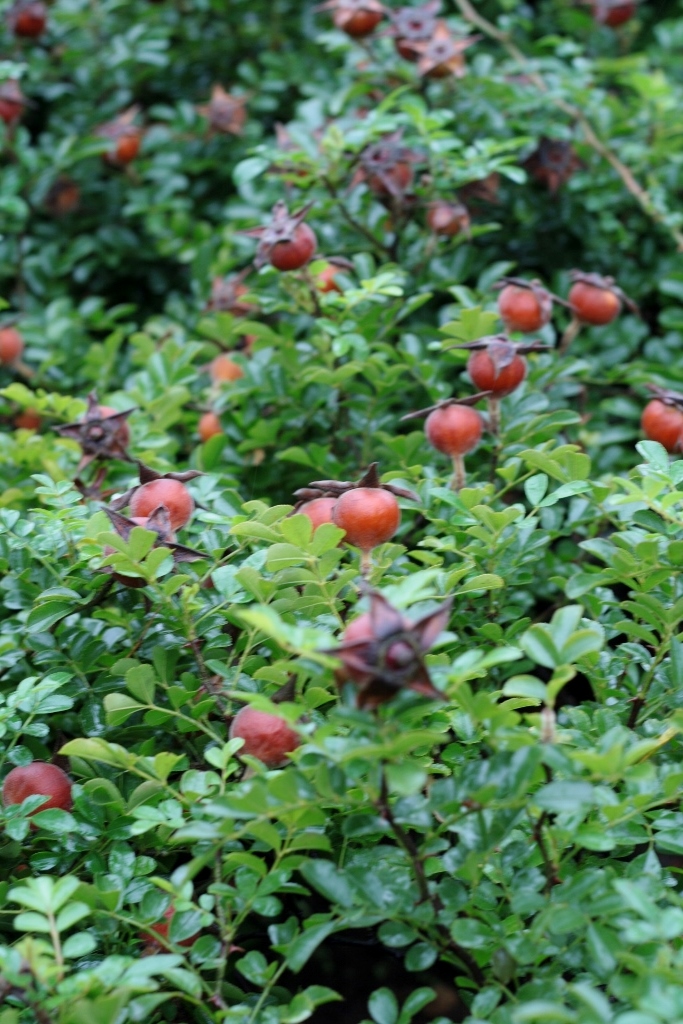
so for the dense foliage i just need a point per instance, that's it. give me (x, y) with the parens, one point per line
(475, 810)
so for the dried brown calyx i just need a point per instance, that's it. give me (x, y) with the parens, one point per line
(283, 227)
(469, 400)
(12, 101)
(226, 295)
(333, 488)
(382, 652)
(159, 522)
(553, 163)
(500, 348)
(225, 112)
(387, 167)
(146, 476)
(443, 54)
(103, 433)
(63, 197)
(607, 284)
(448, 219)
(411, 25)
(665, 395)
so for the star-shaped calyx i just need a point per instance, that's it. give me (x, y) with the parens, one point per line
(226, 295)
(501, 349)
(148, 476)
(469, 400)
(103, 433)
(225, 112)
(442, 54)
(553, 163)
(159, 522)
(605, 283)
(411, 25)
(665, 395)
(335, 488)
(124, 135)
(387, 167)
(382, 652)
(284, 227)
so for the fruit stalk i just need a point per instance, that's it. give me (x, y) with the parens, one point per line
(494, 415)
(458, 478)
(569, 335)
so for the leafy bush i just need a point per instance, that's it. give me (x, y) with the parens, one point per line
(477, 813)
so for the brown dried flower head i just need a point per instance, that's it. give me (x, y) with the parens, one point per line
(334, 488)
(283, 227)
(102, 433)
(442, 54)
(225, 112)
(158, 522)
(553, 163)
(387, 167)
(412, 25)
(382, 652)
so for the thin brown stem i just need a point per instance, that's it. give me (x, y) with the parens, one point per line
(458, 478)
(569, 335)
(591, 137)
(494, 416)
(410, 848)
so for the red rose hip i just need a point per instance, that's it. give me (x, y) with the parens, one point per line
(594, 305)
(663, 423)
(265, 736)
(11, 345)
(38, 778)
(524, 309)
(294, 253)
(369, 515)
(319, 511)
(171, 493)
(501, 380)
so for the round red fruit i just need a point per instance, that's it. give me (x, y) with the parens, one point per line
(319, 511)
(29, 19)
(224, 368)
(296, 252)
(171, 493)
(594, 305)
(29, 419)
(361, 23)
(325, 280)
(369, 515)
(209, 426)
(609, 12)
(500, 380)
(265, 736)
(38, 778)
(454, 429)
(521, 309)
(11, 344)
(663, 423)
